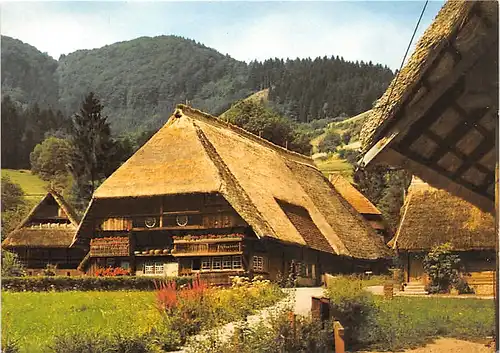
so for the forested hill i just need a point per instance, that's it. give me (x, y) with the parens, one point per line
(140, 81)
(308, 89)
(28, 76)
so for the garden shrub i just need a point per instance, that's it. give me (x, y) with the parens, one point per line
(353, 306)
(64, 283)
(11, 266)
(442, 267)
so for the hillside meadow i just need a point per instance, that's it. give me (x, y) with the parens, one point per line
(32, 185)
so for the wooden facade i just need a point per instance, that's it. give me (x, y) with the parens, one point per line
(45, 236)
(478, 269)
(206, 238)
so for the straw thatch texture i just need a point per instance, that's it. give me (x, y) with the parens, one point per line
(355, 234)
(352, 195)
(451, 17)
(251, 173)
(60, 237)
(432, 217)
(173, 161)
(44, 235)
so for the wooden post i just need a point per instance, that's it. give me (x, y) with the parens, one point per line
(338, 333)
(388, 290)
(292, 318)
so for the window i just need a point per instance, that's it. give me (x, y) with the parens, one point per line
(158, 268)
(125, 265)
(110, 262)
(258, 263)
(226, 262)
(236, 261)
(196, 264)
(149, 268)
(216, 265)
(205, 263)
(153, 268)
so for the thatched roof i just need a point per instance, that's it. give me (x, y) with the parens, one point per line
(432, 217)
(197, 153)
(44, 233)
(450, 17)
(352, 195)
(437, 118)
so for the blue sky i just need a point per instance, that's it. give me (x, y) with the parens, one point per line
(356, 30)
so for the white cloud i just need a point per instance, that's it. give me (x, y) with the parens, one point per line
(366, 37)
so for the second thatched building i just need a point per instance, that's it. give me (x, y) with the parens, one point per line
(433, 217)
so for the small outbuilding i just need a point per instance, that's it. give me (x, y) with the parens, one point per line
(44, 237)
(433, 217)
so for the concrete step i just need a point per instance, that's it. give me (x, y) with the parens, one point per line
(412, 293)
(414, 287)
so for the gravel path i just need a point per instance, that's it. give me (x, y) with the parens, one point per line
(451, 345)
(302, 307)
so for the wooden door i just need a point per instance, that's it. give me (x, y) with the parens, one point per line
(416, 269)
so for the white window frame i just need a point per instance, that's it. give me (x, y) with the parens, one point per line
(205, 261)
(237, 262)
(149, 268)
(226, 263)
(159, 268)
(258, 263)
(216, 260)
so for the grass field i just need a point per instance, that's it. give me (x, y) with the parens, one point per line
(405, 322)
(334, 164)
(35, 318)
(32, 185)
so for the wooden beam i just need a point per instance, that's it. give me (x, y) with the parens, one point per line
(468, 61)
(391, 156)
(457, 133)
(434, 112)
(436, 168)
(479, 152)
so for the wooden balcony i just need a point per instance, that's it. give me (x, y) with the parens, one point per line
(115, 246)
(207, 247)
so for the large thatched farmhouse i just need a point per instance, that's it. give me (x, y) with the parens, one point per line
(433, 217)
(44, 237)
(205, 197)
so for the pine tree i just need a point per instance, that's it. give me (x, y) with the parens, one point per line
(93, 148)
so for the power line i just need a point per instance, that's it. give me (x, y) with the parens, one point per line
(406, 53)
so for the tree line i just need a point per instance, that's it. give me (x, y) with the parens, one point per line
(306, 89)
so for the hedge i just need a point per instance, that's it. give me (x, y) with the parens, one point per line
(63, 283)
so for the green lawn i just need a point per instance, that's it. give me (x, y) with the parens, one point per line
(35, 318)
(334, 164)
(377, 323)
(32, 185)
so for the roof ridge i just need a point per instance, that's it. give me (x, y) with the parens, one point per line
(213, 120)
